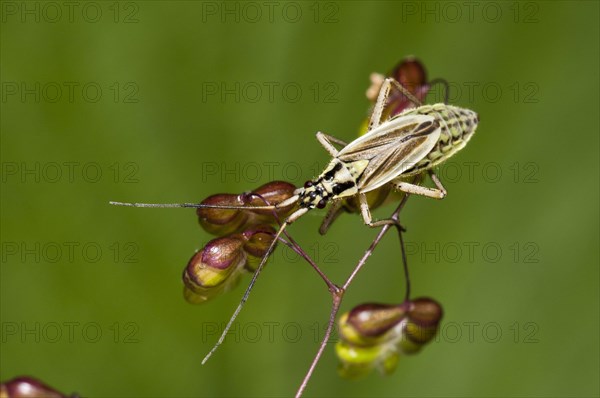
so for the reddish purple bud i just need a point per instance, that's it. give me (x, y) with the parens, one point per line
(222, 221)
(411, 73)
(424, 316)
(212, 266)
(28, 387)
(258, 240)
(375, 319)
(228, 221)
(273, 192)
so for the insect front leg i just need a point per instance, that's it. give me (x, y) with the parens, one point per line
(332, 214)
(327, 142)
(436, 193)
(365, 211)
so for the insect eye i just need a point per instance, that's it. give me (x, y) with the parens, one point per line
(308, 184)
(322, 203)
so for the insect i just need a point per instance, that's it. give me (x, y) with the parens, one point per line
(392, 151)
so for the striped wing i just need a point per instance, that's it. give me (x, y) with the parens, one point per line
(391, 148)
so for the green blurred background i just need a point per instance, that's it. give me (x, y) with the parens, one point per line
(157, 101)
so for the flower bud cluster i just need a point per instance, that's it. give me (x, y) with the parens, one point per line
(245, 236)
(376, 335)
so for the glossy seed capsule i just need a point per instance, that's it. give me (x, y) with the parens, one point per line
(28, 387)
(373, 336)
(214, 269)
(257, 241)
(227, 221)
(217, 267)
(424, 317)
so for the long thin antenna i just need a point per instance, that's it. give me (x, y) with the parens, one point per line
(194, 205)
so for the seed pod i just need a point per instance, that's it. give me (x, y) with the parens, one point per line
(214, 269)
(369, 333)
(222, 221)
(411, 73)
(257, 241)
(28, 387)
(375, 335)
(369, 324)
(217, 268)
(273, 192)
(227, 221)
(424, 317)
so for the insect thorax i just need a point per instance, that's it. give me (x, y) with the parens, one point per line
(337, 180)
(457, 127)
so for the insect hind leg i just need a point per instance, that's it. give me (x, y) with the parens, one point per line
(436, 193)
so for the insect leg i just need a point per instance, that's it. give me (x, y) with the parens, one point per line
(405, 92)
(384, 93)
(332, 214)
(368, 219)
(435, 193)
(327, 141)
(437, 182)
(382, 98)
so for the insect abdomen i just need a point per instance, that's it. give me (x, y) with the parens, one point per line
(457, 127)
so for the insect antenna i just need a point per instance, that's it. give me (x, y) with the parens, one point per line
(198, 205)
(282, 227)
(446, 86)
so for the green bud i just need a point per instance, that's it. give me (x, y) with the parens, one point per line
(356, 361)
(388, 362)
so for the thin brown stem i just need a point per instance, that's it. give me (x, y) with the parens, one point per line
(375, 242)
(405, 266)
(298, 249)
(295, 246)
(337, 301)
(338, 293)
